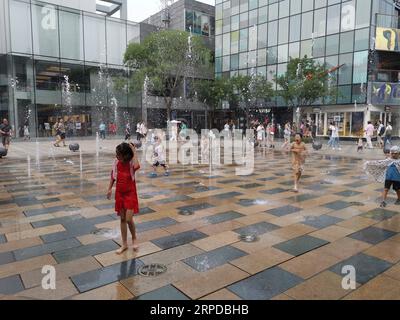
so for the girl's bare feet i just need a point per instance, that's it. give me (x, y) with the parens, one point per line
(121, 250)
(135, 245)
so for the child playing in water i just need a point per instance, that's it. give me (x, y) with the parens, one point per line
(360, 145)
(126, 199)
(299, 152)
(159, 158)
(387, 171)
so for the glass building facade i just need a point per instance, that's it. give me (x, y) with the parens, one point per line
(58, 62)
(262, 36)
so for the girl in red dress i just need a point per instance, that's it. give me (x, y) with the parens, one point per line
(126, 199)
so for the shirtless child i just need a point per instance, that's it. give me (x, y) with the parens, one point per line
(299, 152)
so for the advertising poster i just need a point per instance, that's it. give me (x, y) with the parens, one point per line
(387, 39)
(205, 25)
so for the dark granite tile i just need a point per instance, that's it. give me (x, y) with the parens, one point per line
(300, 245)
(356, 185)
(222, 217)
(247, 202)
(251, 186)
(214, 258)
(5, 202)
(228, 195)
(155, 224)
(337, 205)
(283, 211)
(322, 221)
(265, 285)
(317, 187)
(94, 198)
(205, 188)
(47, 248)
(366, 267)
(6, 257)
(52, 222)
(380, 214)
(84, 251)
(165, 293)
(178, 239)
(196, 207)
(348, 193)
(189, 184)
(73, 229)
(36, 212)
(273, 191)
(105, 206)
(257, 228)
(3, 238)
(231, 181)
(104, 276)
(31, 202)
(145, 210)
(267, 179)
(302, 197)
(174, 199)
(373, 235)
(11, 285)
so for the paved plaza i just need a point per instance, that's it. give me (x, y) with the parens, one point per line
(52, 214)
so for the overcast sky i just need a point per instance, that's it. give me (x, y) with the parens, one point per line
(138, 10)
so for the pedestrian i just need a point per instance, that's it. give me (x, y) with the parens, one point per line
(335, 137)
(260, 135)
(299, 152)
(159, 158)
(287, 133)
(102, 129)
(388, 134)
(60, 133)
(143, 131)
(138, 131)
(5, 133)
(27, 135)
(126, 199)
(369, 133)
(330, 132)
(381, 132)
(78, 127)
(47, 129)
(387, 171)
(272, 132)
(127, 132)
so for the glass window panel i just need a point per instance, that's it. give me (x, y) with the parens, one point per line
(218, 27)
(218, 46)
(345, 72)
(271, 73)
(133, 33)
(218, 64)
(226, 63)
(273, 12)
(319, 47)
(272, 33)
(262, 57)
(235, 42)
(234, 7)
(253, 4)
(306, 48)
(20, 25)
(262, 35)
(244, 5)
(95, 45)
(263, 14)
(252, 59)
(294, 50)
(308, 5)
(332, 44)
(282, 68)
(45, 30)
(295, 23)
(320, 22)
(363, 13)
(295, 7)
(253, 17)
(262, 71)
(360, 67)
(283, 31)
(218, 11)
(283, 53)
(226, 44)
(226, 24)
(116, 42)
(346, 42)
(348, 16)
(253, 38)
(244, 20)
(243, 44)
(71, 35)
(344, 95)
(235, 22)
(284, 9)
(320, 4)
(361, 39)
(333, 19)
(306, 25)
(272, 55)
(243, 60)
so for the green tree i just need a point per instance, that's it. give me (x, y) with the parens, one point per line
(166, 57)
(212, 93)
(304, 83)
(248, 90)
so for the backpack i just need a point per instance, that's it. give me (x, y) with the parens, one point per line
(382, 131)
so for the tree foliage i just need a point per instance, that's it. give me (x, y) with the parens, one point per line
(166, 57)
(305, 82)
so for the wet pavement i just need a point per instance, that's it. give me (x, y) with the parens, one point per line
(52, 214)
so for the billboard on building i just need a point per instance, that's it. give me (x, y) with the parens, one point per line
(387, 39)
(384, 93)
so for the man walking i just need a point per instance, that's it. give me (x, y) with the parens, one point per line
(369, 132)
(388, 134)
(381, 132)
(102, 129)
(5, 134)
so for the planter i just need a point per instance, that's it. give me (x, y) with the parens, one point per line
(74, 147)
(3, 152)
(317, 145)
